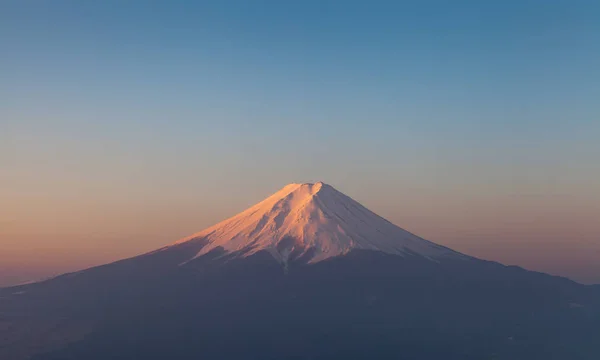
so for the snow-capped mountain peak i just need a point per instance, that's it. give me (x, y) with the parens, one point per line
(313, 221)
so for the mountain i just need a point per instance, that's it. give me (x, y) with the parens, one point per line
(308, 273)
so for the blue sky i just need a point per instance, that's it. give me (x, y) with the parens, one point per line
(419, 109)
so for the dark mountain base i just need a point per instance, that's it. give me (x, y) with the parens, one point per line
(361, 306)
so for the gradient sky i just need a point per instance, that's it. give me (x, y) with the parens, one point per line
(125, 125)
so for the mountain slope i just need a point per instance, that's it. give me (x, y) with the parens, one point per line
(306, 274)
(356, 306)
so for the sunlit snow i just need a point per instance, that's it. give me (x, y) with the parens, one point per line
(314, 220)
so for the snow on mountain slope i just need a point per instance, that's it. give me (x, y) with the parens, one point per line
(313, 221)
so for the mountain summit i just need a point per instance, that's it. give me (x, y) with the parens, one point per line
(313, 222)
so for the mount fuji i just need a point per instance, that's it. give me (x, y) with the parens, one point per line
(307, 273)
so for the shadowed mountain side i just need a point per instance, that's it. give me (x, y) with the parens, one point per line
(40, 316)
(359, 305)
